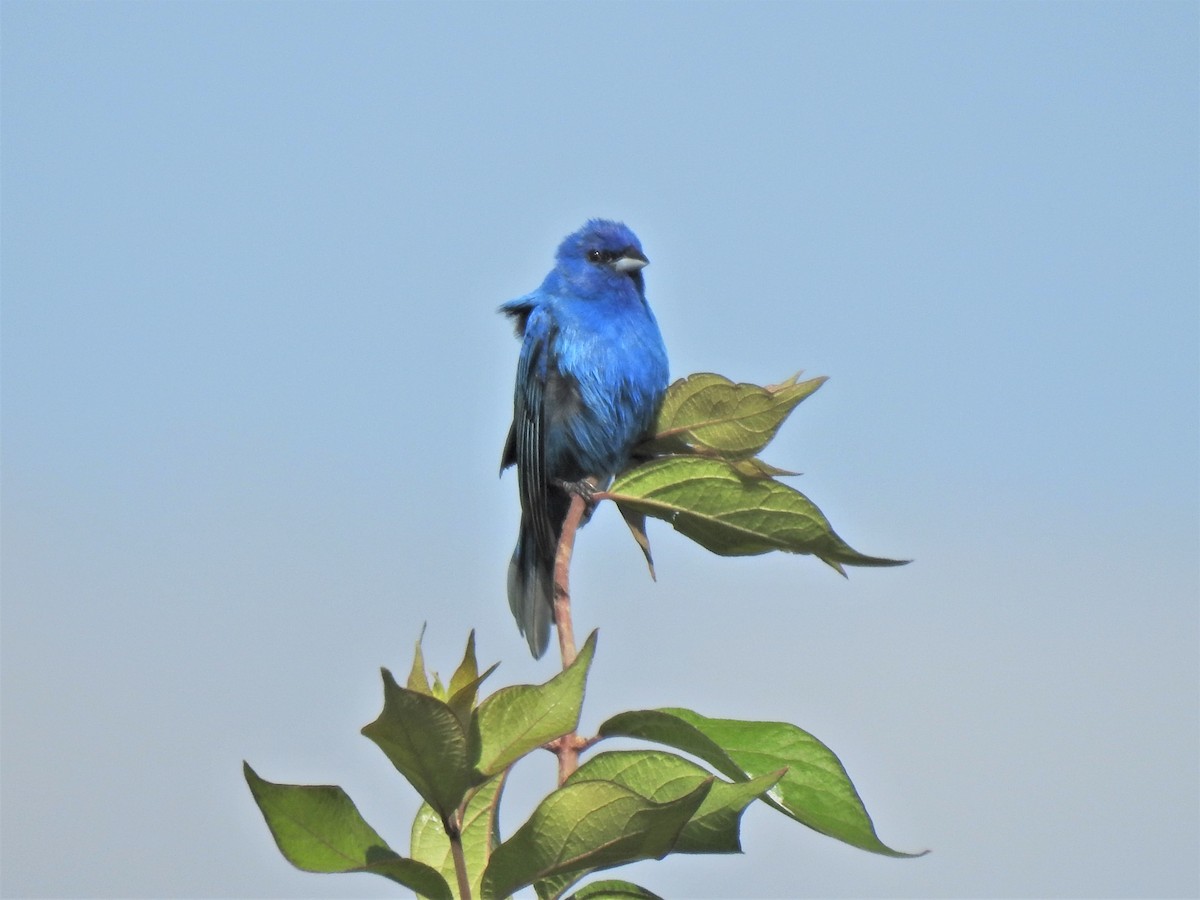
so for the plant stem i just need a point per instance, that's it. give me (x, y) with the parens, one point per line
(567, 747)
(562, 575)
(460, 861)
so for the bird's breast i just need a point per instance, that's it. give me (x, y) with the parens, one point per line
(616, 372)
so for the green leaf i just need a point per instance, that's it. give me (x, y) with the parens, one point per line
(318, 829)
(468, 669)
(426, 742)
(608, 889)
(555, 886)
(588, 825)
(517, 719)
(753, 467)
(709, 502)
(463, 700)
(480, 836)
(710, 415)
(815, 790)
(464, 684)
(637, 526)
(417, 679)
(613, 889)
(664, 776)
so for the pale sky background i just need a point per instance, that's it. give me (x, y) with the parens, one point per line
(255, 391)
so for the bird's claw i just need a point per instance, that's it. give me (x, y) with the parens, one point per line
(582, 488)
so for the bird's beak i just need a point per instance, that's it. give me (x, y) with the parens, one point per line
(630, 262)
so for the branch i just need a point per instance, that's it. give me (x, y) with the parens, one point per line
(567, 747)
(460, 861)
(562, 575)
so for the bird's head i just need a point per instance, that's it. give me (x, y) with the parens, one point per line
(600, 257)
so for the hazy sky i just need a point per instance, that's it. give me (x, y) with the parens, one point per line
(255, 391)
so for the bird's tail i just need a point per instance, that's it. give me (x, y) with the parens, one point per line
(531, 591)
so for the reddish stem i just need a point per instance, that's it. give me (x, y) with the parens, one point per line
(562, 575)
(567, 747)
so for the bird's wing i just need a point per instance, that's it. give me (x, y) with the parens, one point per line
(519, 311)
(527, 439)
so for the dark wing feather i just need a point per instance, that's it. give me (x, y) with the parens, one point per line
(526, 444)
(543, 504)
(534, 479)
(519, 311)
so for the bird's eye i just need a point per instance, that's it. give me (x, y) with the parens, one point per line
(601, 256)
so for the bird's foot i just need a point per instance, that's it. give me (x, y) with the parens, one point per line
(584, 488)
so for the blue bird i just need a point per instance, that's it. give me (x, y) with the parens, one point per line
(590, 379)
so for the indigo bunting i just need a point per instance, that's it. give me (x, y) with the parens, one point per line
(590, 379)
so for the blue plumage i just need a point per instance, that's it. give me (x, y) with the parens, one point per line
(590, 378)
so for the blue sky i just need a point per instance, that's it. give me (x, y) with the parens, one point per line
(255, 392)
